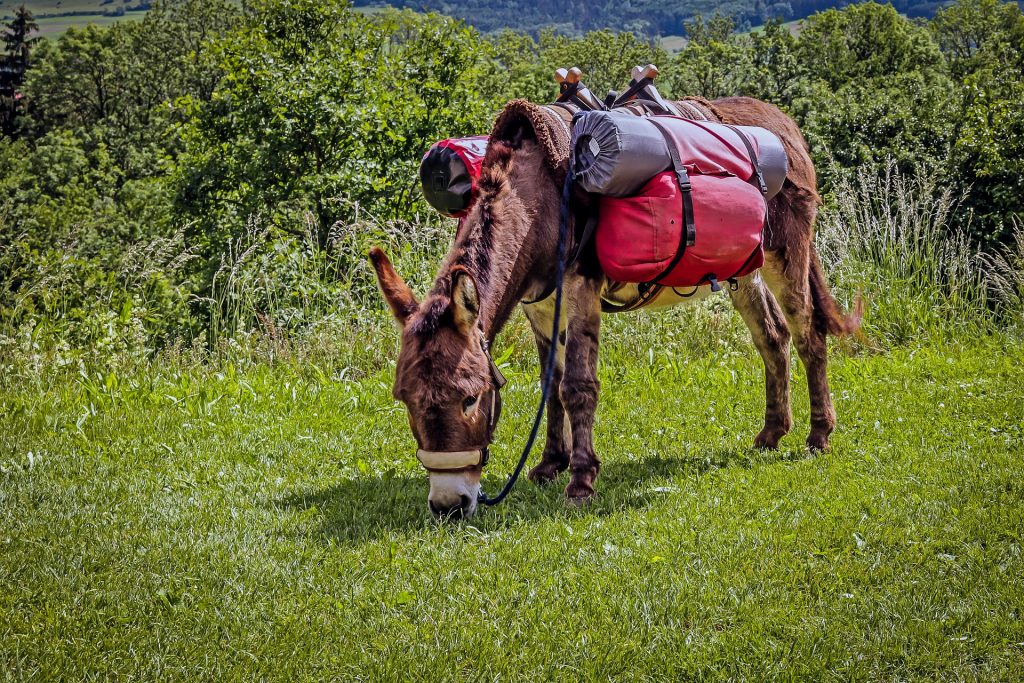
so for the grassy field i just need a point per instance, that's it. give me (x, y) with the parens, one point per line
(55, 17)
(51, 27)
(249, 522)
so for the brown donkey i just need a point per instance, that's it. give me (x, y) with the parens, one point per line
(505, 255)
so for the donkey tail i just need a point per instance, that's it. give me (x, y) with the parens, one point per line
(828, 316)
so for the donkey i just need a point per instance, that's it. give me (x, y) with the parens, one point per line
(505, 255)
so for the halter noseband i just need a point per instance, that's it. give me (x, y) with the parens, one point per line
(460, 461)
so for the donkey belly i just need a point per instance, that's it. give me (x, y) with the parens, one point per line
(621, 294)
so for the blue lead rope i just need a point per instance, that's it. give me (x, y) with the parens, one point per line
(549, 371)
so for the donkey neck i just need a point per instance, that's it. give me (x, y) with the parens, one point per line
(507, 242)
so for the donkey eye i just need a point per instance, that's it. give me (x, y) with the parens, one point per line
(468, 403)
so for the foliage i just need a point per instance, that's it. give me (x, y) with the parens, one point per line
(14, 62)
(523, 67)
(893, 239)
(121, 86)
(322, 110)
(979, 35)
(274, 130)
(714, 61)
(17, 36)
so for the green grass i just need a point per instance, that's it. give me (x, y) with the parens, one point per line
(251, 522)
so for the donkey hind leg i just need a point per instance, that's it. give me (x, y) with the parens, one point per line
(768, 329)
(788, 276)
(579, 387)
(558, 443)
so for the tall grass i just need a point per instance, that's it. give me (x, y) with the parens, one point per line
(1005, 277)
(898, 239)
(286, 298)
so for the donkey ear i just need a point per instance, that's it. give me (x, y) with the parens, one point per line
(398, 295)
(465, 300)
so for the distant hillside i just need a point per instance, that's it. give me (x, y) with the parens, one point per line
(55, 8)
(649, 17)
(644, 17)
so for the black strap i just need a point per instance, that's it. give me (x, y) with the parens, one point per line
(764, 192)
(588, 234)
(689, 234)
(561, 251)
(635, 87)
(753, 159)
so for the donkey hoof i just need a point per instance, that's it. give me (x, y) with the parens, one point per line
(818, 441)
(545, 472)
(580, 490)
(768, 439)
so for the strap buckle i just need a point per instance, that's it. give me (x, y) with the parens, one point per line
(499, 378)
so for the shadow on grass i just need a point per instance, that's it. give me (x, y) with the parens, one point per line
(369, 508)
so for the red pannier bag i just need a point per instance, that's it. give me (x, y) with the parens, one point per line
(699, 223)
(449, 172)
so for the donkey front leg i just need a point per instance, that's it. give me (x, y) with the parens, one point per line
(558, 443)
(579, 386)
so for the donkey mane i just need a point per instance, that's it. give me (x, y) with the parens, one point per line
(472, 252)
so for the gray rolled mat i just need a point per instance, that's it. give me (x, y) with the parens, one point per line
(616, 153)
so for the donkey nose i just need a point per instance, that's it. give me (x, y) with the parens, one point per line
(457, 511)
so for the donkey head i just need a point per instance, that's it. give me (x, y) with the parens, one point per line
(444, 376)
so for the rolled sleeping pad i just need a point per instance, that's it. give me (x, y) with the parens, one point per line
(449, 172)
(616, 153)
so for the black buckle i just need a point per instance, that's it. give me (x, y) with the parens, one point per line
(496, 374)
(499, 379)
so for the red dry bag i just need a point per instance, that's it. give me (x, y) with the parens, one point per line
(449, 172)
(699, 223)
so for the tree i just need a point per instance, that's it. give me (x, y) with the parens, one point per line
(773, 68)
(121, 86)
(975, 34)
(18, 43)
(18, 40)
(321, 110)
(864, 41)
(873, 87)
(713, 62)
